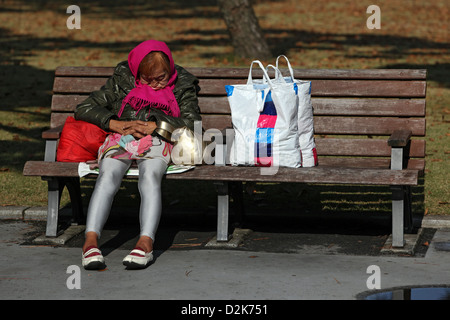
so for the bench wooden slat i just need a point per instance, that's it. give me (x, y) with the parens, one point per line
(337, 88)
(59, 118)
(363, 147)
(35, 168)
(66, 103)
(374, 163)
(338, 106)
(330, 74)
(322, 106)
(326, 146)
(305, 175)
(228, 173)
(320, 88)
(337, 147)
(84, 71)
(369, 107)
(389, 74)
(375, 74)
(322, 125)
(367, 125)
(340, 125)
(77, 84)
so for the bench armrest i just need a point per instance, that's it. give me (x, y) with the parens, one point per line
(51, 137)
(399, 143)
(53, 133)
(399, 138)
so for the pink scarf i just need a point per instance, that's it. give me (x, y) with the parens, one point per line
(143, 95)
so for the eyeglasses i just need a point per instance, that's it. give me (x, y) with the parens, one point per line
(160, 80)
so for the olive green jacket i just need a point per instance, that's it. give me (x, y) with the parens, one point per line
(104, 104)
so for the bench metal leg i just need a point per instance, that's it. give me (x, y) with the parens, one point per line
(55, 188)
(401, 199)
(397, 216)
(222, 211)
(54, 192)
(401, 214)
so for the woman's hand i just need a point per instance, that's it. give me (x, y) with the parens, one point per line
(137, 128)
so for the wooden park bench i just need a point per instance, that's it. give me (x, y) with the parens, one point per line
(368, 125)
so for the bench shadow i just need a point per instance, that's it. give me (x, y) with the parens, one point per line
(277, 207)
(282, 218)
(336, 209)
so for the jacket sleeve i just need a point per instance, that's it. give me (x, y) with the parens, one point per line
(185, 92)
(97, 108)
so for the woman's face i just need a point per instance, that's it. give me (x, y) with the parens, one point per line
(157, 79)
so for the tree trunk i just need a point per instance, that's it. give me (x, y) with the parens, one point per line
(246, 34)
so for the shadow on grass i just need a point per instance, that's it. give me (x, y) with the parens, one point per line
(23, 92)
(393, 47)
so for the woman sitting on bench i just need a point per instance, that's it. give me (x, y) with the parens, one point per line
(146, 89)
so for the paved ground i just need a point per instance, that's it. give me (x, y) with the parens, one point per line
(317, 260)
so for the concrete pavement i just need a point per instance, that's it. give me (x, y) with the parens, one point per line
(32, 271)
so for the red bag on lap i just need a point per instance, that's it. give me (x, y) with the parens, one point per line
(79, 141)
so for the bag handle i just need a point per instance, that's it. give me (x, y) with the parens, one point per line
(260, 99)
(278, 73)
(266, 76)
(289, 65)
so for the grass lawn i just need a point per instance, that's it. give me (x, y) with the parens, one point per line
(312, 33)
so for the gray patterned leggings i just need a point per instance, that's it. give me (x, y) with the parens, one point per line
(108, 183)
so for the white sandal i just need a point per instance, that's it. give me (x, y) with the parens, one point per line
(93, 259)
(138, 259)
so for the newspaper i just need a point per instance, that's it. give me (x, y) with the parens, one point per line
(84, 169)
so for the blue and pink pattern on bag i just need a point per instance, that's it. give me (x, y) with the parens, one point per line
(265, 133)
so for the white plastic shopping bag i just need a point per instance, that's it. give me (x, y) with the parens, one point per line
(264, 119)
(305, 116)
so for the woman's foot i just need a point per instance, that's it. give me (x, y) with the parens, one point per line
(141, 255)
(92, 259)
(91, 240)
(145, 243)
(138, 259)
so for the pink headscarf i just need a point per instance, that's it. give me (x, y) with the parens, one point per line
(143, 95)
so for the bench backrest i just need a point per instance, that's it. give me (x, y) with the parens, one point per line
(355, 111)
